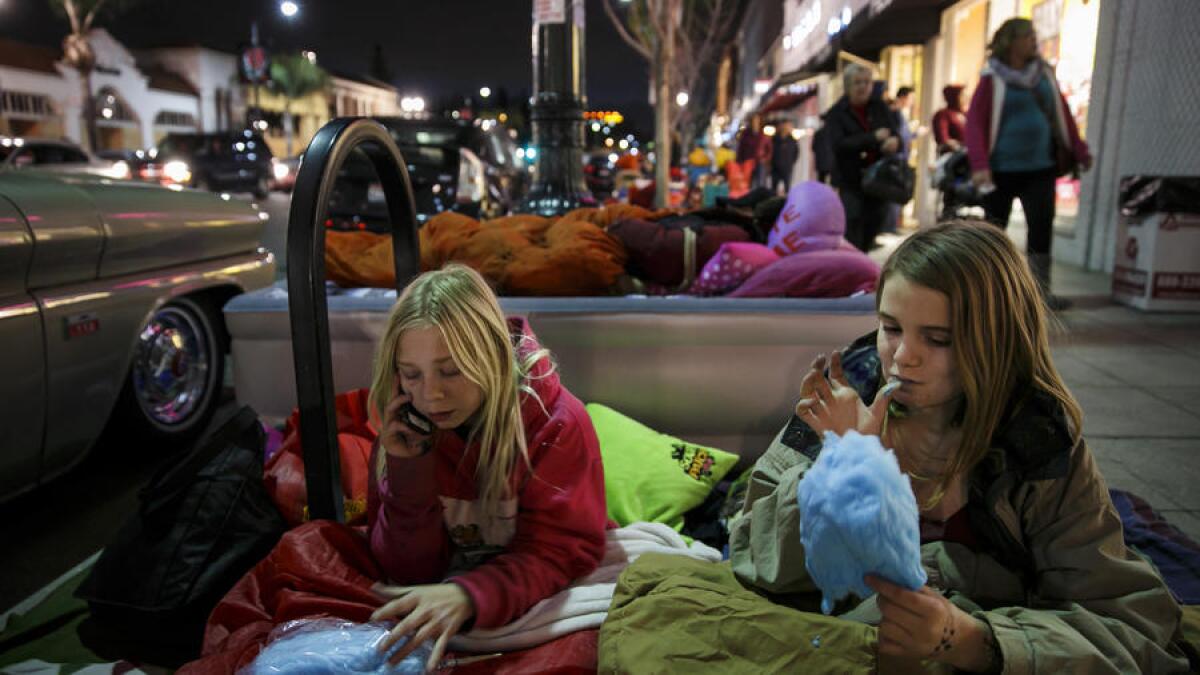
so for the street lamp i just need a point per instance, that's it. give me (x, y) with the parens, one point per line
(681, 98)
(288, 8)
(485, 92)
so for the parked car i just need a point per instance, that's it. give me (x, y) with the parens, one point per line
(233, 161)
(110, 310)
(453, 165)
(283, 173)
(600, 174)
(54, 155)
(127, 162)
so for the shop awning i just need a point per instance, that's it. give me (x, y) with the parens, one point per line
(782, 101)
(900, 22)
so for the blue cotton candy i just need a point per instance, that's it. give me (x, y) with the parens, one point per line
(858, 516)
(329, 646)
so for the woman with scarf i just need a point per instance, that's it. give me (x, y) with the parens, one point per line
(1020, 138)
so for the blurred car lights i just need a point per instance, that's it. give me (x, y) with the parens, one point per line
(177, 172)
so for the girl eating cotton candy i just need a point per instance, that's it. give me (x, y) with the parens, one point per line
(1027, 568)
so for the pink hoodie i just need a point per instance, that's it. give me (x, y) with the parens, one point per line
(424, 517)
(983, 121)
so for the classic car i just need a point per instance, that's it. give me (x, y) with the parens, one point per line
(47, 154)
(110, 308)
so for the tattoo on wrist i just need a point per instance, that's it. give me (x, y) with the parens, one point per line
(947, 641)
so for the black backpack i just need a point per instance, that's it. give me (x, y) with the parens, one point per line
(201, 524)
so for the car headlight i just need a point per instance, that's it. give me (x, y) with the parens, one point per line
(177, 171)
(279, 169)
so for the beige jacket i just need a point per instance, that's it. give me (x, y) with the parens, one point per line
(1057, 585)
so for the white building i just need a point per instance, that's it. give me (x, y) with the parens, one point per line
(43, 96)
(145, 94)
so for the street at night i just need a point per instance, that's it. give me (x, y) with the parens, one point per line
(873, 323)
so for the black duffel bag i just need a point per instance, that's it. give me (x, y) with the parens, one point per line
(890, 179)
(201, 524)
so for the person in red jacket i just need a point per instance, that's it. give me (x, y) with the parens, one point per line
(500, 503)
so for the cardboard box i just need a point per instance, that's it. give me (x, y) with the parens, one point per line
(1157, 266)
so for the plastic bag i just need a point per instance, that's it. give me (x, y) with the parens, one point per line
(329, 646)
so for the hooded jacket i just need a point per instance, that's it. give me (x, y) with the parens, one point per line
(1052, 576)
(983, 120)
(426, 523)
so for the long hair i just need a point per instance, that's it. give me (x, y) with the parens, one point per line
(458, 302)
(1006, 35)
(998, 324)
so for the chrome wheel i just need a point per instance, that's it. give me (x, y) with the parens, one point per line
(175, 366)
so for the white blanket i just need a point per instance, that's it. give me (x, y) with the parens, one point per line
(584, 604)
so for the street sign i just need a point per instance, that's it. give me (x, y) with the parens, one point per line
(255, 63)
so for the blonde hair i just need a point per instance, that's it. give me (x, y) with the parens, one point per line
(458, 302)
(998, 325)
(1006, 35)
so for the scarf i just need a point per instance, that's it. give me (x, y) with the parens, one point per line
(1026, 78)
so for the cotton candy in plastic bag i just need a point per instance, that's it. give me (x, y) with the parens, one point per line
(329, 646)
(858, 516)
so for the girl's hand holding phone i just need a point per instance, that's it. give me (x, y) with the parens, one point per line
(399, 437)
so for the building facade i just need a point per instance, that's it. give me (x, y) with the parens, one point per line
(142, 95)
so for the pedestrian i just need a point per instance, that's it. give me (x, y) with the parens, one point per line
(783, 157)
(950, 123)
(754, 152)
(499, 503)
(1028, 569)
(822, 152)
(900, 105)
(862, 129)
(1018, 126)
(949, 135)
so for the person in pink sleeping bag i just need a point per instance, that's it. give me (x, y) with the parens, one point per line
(812, 219)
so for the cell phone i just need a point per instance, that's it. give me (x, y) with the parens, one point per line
(415, 420)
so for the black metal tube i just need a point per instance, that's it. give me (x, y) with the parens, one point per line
(557, 115)
(307, 306)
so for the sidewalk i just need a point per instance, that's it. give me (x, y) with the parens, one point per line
(1137, 377)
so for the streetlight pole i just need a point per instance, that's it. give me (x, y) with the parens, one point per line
(557, 109)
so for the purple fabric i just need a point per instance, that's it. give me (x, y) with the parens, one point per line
(1175, 555)
(820, 274)
(812, 219)
(732, 264)
(274, 441)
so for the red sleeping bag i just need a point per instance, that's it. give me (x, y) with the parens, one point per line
(325, 569)
(283, 475)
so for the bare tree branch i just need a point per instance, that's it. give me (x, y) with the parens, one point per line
(624, 33)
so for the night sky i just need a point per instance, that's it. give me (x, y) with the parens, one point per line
(434, 47)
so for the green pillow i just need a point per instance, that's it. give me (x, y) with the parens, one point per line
(653, 477)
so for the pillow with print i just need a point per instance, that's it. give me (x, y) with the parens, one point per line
(650, 476)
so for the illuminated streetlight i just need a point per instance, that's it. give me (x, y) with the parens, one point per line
(681, 98)
(288, 8)
(485, 92)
